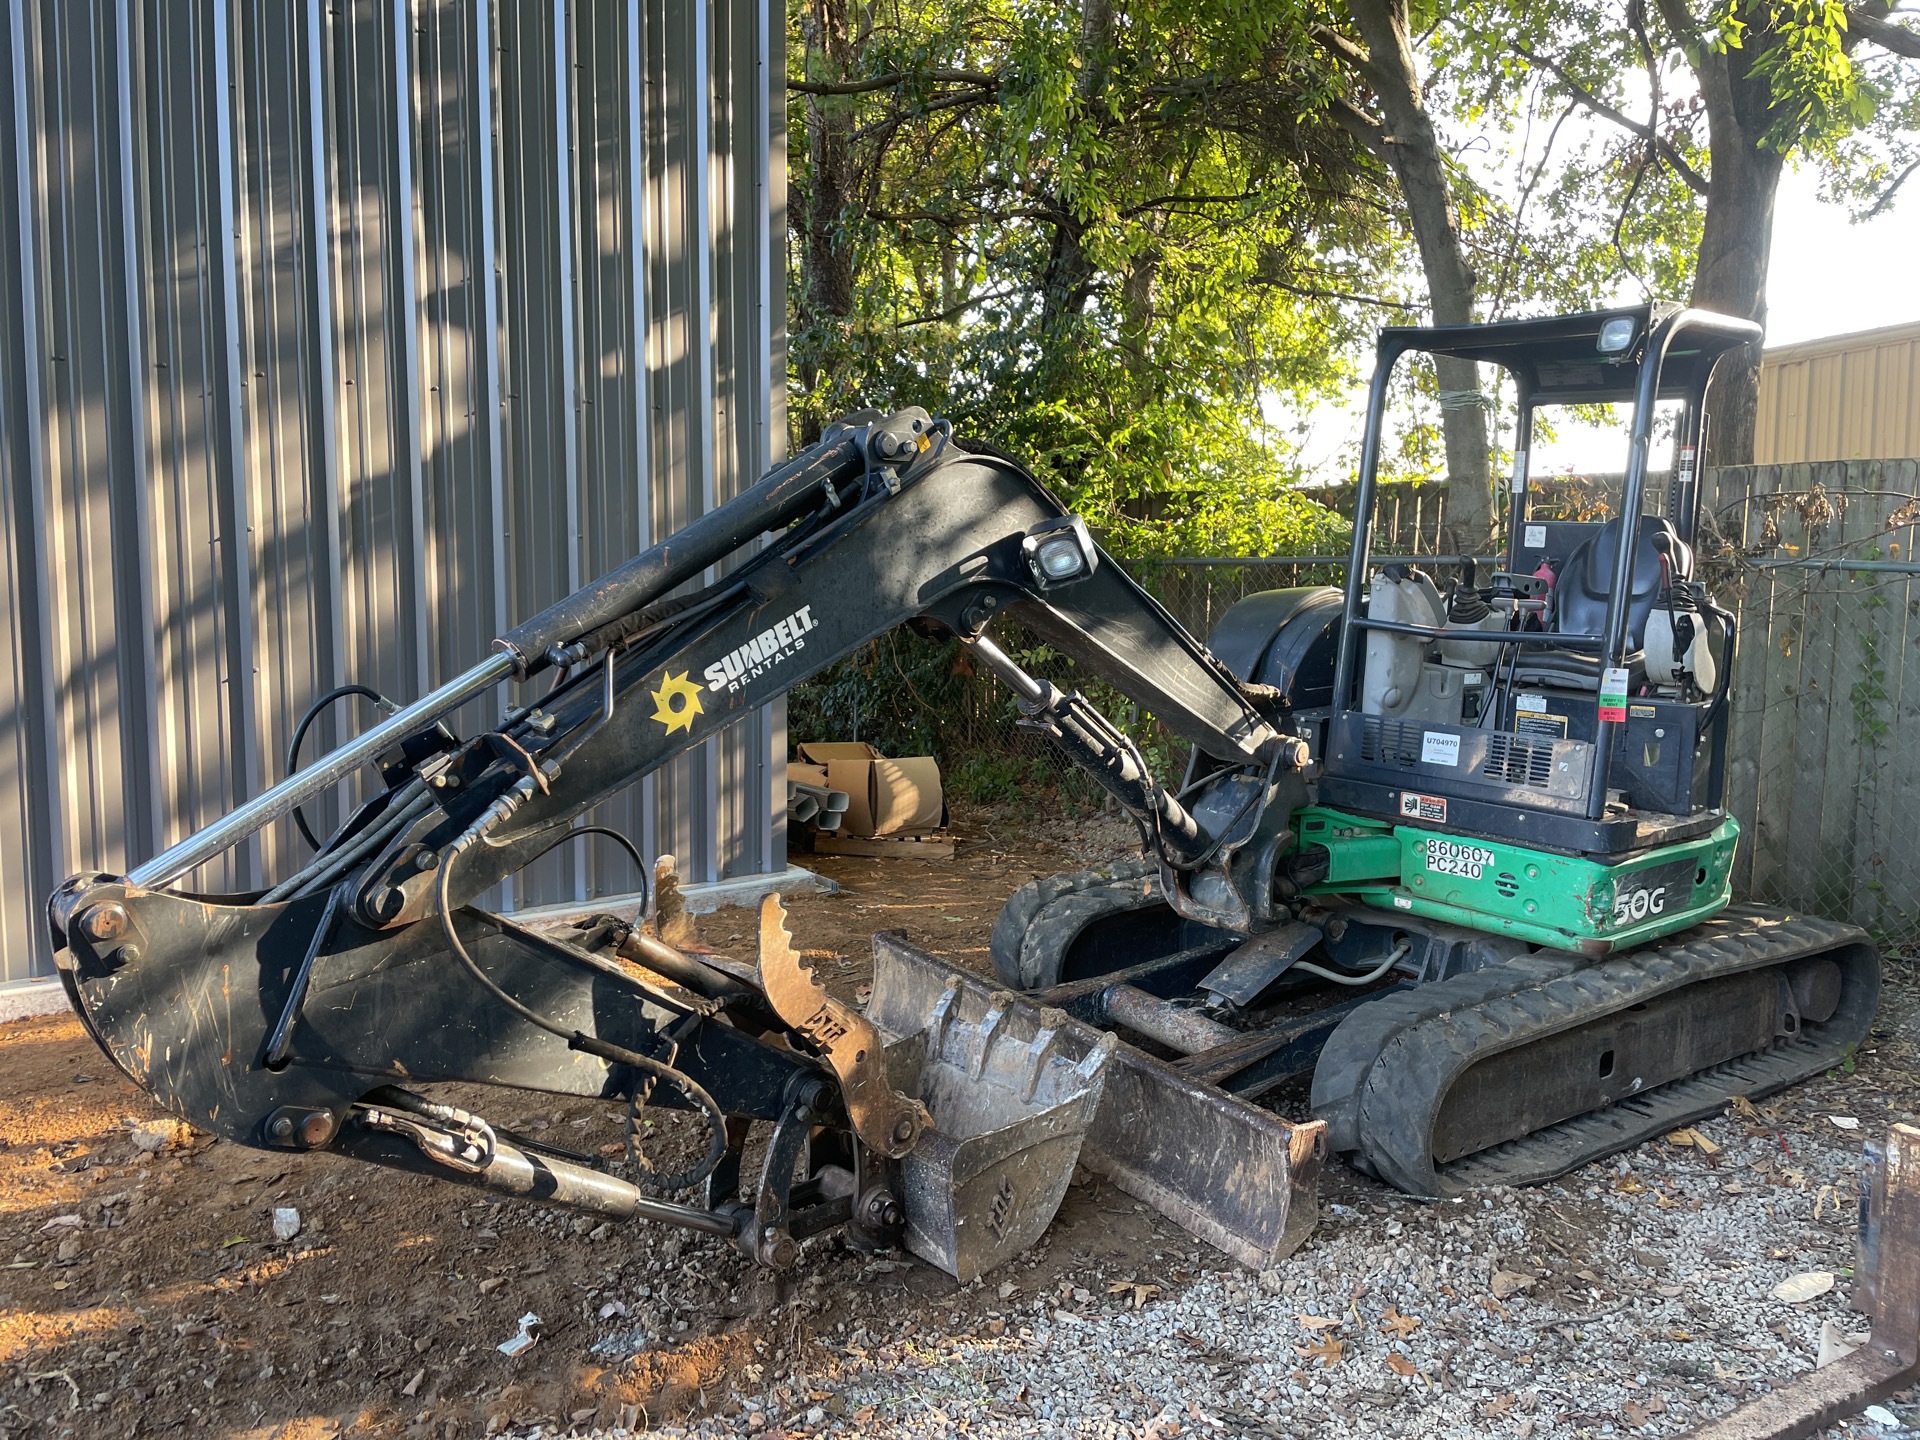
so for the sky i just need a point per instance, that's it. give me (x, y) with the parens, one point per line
(1829, 277)
(1826, 276)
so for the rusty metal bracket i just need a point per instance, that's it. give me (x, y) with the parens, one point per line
(1889, 1273)
(886, 1120)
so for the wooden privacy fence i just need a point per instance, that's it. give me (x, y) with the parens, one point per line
(1816, 561)
(1825, 747)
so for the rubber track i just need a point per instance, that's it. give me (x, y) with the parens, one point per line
(1389, 1068)
(1043, 917)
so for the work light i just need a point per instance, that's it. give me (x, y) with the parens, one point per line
(1059, 552)
(1616, 335)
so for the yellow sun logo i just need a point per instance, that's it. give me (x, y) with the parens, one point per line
(677, 701)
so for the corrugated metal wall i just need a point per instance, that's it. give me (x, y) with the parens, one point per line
(334, 337)
(1848, 397)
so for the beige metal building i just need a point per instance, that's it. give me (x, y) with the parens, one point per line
(1845, 397)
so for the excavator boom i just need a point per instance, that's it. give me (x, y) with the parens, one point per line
(300, 1018)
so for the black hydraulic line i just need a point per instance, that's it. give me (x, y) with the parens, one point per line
(339, 692)
(651, 619)
(409, 802)
(274, 1057)
(590, 1045)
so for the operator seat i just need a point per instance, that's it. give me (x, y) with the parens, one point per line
(1581, 589)
(1580, 593)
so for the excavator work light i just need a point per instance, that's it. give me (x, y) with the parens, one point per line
(1059, 551)
(1616, 335)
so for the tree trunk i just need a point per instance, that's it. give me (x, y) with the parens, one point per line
(1736, 240)
(1068, 281)
(826, 260)
(1407, 143)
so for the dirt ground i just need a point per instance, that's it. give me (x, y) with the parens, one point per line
(145, 1292)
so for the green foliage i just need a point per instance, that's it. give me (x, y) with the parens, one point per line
(1823, 95)
(913, 696)
(1100, 253)
(1800, 48)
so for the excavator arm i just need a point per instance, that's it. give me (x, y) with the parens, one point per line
(299, 1018)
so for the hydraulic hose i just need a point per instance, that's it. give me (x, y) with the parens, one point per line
(338, 693)
(655, 1070)
(409, 802)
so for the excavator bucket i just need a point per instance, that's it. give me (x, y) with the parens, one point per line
(983, 1099)
(1012, 1088)
(1001, 1076)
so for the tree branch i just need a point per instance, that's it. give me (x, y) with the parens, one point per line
(953, 310)
(1886, 196)
(977, 78)
(1160, 200)
(1695, 181)
(1884, 33)
(1313, 292)
(1351, 53)
(1357, 123)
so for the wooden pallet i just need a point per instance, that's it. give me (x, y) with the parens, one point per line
(937, 846)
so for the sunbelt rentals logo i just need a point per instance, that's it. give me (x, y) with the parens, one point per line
(676, 702)
(769, 648)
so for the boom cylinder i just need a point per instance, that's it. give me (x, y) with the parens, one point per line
(784, 495)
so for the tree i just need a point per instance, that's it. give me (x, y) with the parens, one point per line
(1096, 236)
(1772, 81)
(1387, 112)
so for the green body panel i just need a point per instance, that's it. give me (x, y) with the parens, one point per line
(1564, 902)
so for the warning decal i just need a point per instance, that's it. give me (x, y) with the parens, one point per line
(1541, 724)
(1432, 808)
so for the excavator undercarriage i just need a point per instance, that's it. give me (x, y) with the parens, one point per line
(1450, 872)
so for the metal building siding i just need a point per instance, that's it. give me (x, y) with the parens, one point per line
(335, 337)
(1847, 397)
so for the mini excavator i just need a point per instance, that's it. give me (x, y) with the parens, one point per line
(1459, 858)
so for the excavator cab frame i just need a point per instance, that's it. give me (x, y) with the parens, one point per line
(1503, 773)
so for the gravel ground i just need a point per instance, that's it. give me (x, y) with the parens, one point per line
(1634, 1297)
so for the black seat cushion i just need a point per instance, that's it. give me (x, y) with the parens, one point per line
(1580, 590)
(1573, 670)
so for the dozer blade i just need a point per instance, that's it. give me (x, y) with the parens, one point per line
(1238, 1177)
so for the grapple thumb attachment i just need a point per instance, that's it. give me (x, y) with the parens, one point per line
(1020, 1093)
(887, 1120)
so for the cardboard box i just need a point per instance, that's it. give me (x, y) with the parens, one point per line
(888, 797)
